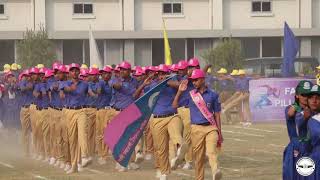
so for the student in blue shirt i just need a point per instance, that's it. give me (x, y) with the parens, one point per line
(92, 102)
(26, 89)
(77, 119)
(206, 135)
(297, 131)
(104, 91)
(42, 101)
(56, 107)
(314, 130)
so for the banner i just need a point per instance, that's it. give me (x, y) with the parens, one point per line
(126, 129)
(270, 96)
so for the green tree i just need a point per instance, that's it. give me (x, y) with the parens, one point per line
(227, 54)
(35, 48)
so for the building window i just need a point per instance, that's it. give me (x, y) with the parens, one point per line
(83, 8)
(2, 9)
(172, 7)
(261, 6)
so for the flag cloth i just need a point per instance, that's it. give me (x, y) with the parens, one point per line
(167, 50)
(126, 129)
(290, 50)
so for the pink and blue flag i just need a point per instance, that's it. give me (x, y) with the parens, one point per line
(126, 129)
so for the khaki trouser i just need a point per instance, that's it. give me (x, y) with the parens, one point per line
(162, 130)
(56, 139)
(103, 119)
(204, 141)
(25, 129)
(77, 135)
(64, 141)
(44, 132)
(39, 135)
(186, 119)
(148, 141)
(91, 118)
(33, 119)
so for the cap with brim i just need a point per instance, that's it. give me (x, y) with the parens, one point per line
(74, 65)
(303, 87)
(125, 65)
(194, 62)
(182, 65)
(314, 90)
(197, 73)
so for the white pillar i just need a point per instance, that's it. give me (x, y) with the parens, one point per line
(105, 52)
(217, 8)
(40, 14)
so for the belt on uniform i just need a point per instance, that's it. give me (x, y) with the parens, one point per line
(204, 124)
(106, 107)
(26, 106)
(88, 106)
(56, 108)
(74, 107)
(164, 116)
(40, 108)
(117, 109)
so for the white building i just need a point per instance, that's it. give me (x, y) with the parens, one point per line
(132, 29)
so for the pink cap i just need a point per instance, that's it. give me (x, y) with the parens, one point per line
(93, 71)
(34, 70)
(84, 72)
(74, 65)
(152, 68)
(163, 68)
(25, 72)
(197, 73)
(48, 73)
(144, 68)
(62, 68)
(194, 62)
(55, 66)
(42, 70)
(125, 65)
(174, 67)
(117, 68)
(106, 69)
(8, 74)
(182, 65)
(136, 68)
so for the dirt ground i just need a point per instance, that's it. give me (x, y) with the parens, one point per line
(253, 153)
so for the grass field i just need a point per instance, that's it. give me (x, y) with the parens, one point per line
(253, 153)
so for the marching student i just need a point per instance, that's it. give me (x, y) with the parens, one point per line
(56, 110)
(165, 125)
(124, 88)
(104, 91)
(297, 130)
(206, 135)
(26, 88)
(42, 125)
(77, 120)
(91, 108)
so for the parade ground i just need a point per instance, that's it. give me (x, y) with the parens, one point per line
(252, 153)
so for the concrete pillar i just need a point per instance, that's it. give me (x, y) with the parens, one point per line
(128, 13)
(129, 51)
(306, 13)
(40, 14)
(59, 49)
(217, 19)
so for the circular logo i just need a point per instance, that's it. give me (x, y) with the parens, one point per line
(305, 166)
